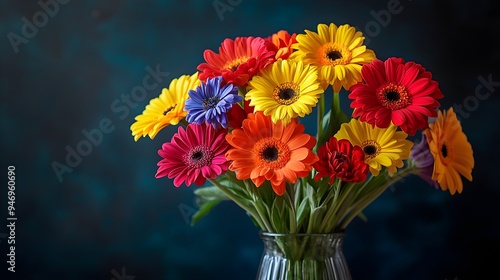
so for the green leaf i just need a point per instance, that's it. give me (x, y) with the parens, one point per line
(209, 193)
(317, 215)
(362, 217)
(302, 212)
(312, 182)
(204, 210)
(326, 119)
(207, 198)
(277, 220)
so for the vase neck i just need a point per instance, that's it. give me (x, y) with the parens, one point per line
(303, 256)
(301, 246)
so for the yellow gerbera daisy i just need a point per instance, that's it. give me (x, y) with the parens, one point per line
(382, 146)
(338, 52)
(286, 90)
(166, 109)
(451, 151)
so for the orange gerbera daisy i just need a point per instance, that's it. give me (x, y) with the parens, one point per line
(262, 150)
(237, 61)
(451, 151)
(281, 42)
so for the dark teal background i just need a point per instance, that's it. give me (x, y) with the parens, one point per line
(111, 213)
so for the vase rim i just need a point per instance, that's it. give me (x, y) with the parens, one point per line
(274, 234)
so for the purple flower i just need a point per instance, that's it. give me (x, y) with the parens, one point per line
(210, 102)
(423, 159)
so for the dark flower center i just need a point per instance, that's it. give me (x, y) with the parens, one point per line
(444, 150)
(197, 155)
(370, 150)
(270, 153)
(333, 55)
(287, 94)
(210, 102)
(392, 96)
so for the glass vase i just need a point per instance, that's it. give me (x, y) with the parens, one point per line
(303, 256)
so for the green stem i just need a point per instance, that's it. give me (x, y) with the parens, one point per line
(336, 102)
(292, 211)
(321, 112)
(234, 198)
(331, 210)
(262, 215)
(257, 202)
(367, 199)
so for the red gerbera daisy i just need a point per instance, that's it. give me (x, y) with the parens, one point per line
(403, 92)
(237, 61)
(236, 115)
(193, 155)
(340, 159)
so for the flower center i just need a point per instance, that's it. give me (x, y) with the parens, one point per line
(334, 54)
(394, 97)
(340, 162)
(286, 93)
(198, 157)
(444, 150)
(169, 109)
(210, 102)
(271, 152)
(233, 64)
(370, 148)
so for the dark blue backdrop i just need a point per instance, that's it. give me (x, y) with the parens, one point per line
(66, 71)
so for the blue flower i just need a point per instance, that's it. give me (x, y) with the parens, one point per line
(210, 102)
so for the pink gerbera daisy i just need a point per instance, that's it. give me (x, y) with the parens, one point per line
(237, 61)
(194, 155)
(397, 91)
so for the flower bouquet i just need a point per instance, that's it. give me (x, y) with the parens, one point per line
(246, 135)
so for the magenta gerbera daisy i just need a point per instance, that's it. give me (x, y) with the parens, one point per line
(397, 91)
(194, 155)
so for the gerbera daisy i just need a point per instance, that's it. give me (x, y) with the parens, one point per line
(166, 109)
(237, 114)
(237, 61)
(281, 43)
(382, 146)
(210, 102)
(338, 53)
(262, 150)
(451, 151)
(394, 90)
(194, 155)
(340, 159)
(285, 90)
